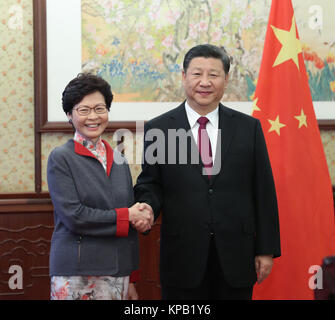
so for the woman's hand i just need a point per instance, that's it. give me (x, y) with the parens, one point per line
(141, 216)
(132, 293)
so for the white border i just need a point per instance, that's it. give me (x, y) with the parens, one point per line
(63, 51)
(64, 63)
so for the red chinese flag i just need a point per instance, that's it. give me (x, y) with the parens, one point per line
(283, 103)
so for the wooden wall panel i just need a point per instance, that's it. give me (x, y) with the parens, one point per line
(149, 286)
(25, 233)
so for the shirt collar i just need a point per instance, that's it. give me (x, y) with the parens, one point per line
(193, 116)
(89, 144)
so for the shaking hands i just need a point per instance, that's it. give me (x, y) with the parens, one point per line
(141, 216)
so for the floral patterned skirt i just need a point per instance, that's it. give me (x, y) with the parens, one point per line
(89, 288)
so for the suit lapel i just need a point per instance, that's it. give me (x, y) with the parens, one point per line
(227, 126)
(179, 120)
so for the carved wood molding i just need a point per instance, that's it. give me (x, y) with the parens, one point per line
(27, 249)
(25, 203)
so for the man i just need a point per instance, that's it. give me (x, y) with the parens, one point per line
(220, 227)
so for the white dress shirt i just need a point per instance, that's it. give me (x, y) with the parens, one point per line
(211, 127)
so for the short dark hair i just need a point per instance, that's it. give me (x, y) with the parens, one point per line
(208, 51)
(81, 86)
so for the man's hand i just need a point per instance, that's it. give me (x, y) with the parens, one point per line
(263, 265)
(141, 216)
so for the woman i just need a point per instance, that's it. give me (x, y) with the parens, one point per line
(94, 247)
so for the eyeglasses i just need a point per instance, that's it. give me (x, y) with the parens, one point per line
(86, 110)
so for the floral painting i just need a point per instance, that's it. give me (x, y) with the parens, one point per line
(138, 46)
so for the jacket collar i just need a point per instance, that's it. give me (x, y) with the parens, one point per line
(227, 124)
(81, 150)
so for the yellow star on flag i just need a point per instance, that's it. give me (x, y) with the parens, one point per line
(302, 119)
(291, 45)
(254, 106)
(276, 125)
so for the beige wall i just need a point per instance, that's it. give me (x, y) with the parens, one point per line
(16, 98)
(17, 105)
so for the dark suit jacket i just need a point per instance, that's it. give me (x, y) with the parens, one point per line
(238, 204)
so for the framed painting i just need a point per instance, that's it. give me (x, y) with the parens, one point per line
(138, 47)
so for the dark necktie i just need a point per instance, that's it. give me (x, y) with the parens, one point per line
(204, 145)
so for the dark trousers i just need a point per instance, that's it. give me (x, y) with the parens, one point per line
(212, 287)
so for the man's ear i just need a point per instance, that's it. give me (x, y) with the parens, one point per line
(183, 76)
(226, 80)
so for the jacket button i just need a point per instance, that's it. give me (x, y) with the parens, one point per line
(210, 191)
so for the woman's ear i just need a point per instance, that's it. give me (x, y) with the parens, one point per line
(69, 116)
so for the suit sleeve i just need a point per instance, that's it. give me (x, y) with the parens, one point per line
(267, 221)
(148, 187)
(77, 217)
(135, 276)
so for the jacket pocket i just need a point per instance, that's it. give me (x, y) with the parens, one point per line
(249, 226)
(98, 254)
(64, 253)
(79, 249)
(169, 230)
